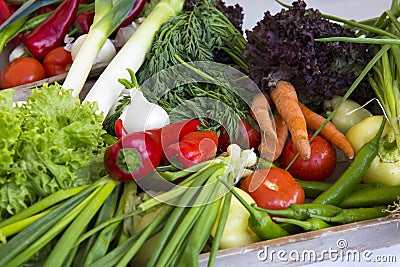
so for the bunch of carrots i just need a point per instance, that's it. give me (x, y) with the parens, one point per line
(292, 117)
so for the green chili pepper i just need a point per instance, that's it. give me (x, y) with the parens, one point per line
(368, 197)
(311, 224)
(259, 221)
(10, 32)
(355, 215)
(304, 211)
(353, 175)
(312, 189)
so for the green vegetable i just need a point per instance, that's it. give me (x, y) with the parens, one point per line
(349, 114)
(9, 32)
(26, 243)
(27, 8)
(311, 224)
(314, 188)
(353, 174)
(49, 143)
(355, 215)
(368, 197)
(385, 167)
(304, 211)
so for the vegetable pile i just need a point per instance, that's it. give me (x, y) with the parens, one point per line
(175, 152)
(277, 48)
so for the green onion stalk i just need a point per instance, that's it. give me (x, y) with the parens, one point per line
(95, 225)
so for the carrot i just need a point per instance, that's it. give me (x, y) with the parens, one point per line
(329, 132)
(286, 102)
(261, 111)
(272, 149)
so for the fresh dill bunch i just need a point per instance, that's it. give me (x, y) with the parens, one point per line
(194, 36)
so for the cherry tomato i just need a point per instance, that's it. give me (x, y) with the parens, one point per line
(22, 71)
(319, 167)
(248, 137)
(273, 188)
(57, 61)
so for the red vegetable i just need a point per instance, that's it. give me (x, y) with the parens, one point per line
(5, 11)
(50, 34)
(84, 21)
(21, 71)
(248, 137)
(134, 156)
(45, 9)
(192, 148)
(119, 128)
(273, 188)
(57, 61)
(321, 164)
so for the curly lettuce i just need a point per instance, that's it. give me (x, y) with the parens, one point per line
(46, 144)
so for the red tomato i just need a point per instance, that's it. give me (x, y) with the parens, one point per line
(319, 167)
(57, 61)
(248, 137)
(21, 71)
(273, 188)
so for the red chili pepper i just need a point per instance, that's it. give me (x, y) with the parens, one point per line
(193, 148)
(133, 14)
(134, 156)
(84, 21)
(45, 9)
(5, 11)
(50, 34)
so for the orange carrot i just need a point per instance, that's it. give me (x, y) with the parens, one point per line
(329, 132)
(261, 111)
(269, 148)
(286, 102)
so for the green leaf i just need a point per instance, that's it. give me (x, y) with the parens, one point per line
(26, 9)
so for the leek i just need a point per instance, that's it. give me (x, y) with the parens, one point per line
(107, 89)
(109, 15)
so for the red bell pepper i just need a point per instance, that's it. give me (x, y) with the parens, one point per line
(193, 148)
(134, 156)
(50, 34)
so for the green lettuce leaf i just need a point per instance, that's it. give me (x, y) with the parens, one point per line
(47, 144)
